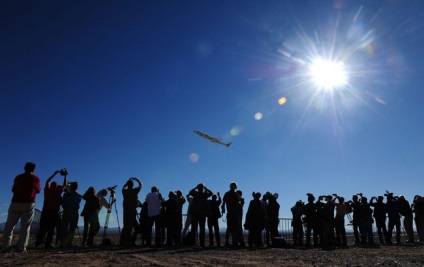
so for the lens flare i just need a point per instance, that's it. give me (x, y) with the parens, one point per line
(258, 116)
(282, 101)
(194, 157)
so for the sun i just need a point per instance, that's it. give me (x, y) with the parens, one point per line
(328, 75)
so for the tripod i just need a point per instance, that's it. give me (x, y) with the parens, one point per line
(112, 203)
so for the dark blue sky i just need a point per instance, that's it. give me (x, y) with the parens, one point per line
(112, 89)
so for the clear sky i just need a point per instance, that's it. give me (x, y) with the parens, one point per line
(315, 96)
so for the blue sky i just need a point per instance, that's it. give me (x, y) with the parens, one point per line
(111, 90)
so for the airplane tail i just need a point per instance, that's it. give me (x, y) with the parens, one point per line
(228, 145)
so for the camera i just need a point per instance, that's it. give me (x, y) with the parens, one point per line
(63, 172)
(360, 194)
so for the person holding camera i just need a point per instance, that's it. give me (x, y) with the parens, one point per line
(392, 206)
(25, 188)
(297, 224)
(154, 212)
(70, 204)
(310, 212)
(91, 219)
(50, 213)
(380, 217)
(130, 203)
(342, 208)
(200, 210)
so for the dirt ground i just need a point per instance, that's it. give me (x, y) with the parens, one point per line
(399, 255)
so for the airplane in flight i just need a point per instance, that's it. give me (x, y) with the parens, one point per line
(212, 139)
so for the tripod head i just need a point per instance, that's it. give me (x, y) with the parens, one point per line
(112, 189)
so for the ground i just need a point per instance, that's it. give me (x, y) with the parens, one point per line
(403, 255)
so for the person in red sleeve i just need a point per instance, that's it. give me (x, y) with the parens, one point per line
(50, 213)
(25, 187)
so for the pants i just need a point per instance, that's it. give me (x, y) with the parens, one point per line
(340, 231)
(234, 226)
(392, 224)
(91, 228)
(381, 229)
(199, 221)
(213, 226)
(157, 220)
(25, 212)
(69, 225)
(130, 223)
(407, 223)
(48, 222)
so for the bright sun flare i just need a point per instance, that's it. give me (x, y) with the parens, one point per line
(328, 74)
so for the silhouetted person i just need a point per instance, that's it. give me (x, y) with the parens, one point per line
(379, 215)
(180, 199)
(213, 224)
(91, 219)
(392, 206)
(255, 220)
(50, 213)
(365, 222)
(154, 200)
(200, 210)
(231, 204)
(418, 204)
(342, 209)
(354, 205)
(273, 211)
(130, 203)
(328, 222)
(297, 224)
(171, 217)
(310, 212)
(406, 211)
(187, 223)
(25, 187)
(70, 203)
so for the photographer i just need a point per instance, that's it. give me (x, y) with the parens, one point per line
(154, 209)
(310, 212)
(50, 213)
(297, 212)
(70, 203)
(91, 219)
(342, 209)
(392, 206)
(406, 211)
(354, 205)
(200, 210)
(380, 217)
(130, 201)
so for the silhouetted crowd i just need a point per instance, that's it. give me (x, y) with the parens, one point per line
(324, 219)
(321, 218)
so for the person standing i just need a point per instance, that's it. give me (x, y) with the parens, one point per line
(180, 199)
(297, 224)
(406, 211)
(213, 224)
(91, 219)
(50, 213)
(154, 212)
(25, 188)
(379, 214)
(130, 203)
(200, 210)
(342, 208)
(255, 221)
(70, 203)
(231, 204)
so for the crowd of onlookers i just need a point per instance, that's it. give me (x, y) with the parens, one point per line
(323, 218)
(386, 212)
